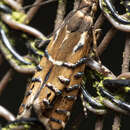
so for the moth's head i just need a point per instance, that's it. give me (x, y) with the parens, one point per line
(82, 19)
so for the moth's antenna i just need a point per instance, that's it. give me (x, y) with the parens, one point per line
(38, 4)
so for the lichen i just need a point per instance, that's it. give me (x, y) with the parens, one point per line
(18, 16)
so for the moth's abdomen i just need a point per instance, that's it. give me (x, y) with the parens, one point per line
(60, 113)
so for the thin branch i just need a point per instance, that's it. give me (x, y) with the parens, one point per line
(22, 27)
(6, 114)
(124, 75)
(19, 68)
(99, 123)
(76, 4)
(5, 80)
(60, 13)
(117, 120)
(114, 107)
(126, 55)
(31, 13)
(14, 5)
(99, 21)
(40, 4)
(106, 40)
(94, 110)
(19, 1)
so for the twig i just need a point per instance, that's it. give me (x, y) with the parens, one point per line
(32, 11)
(25, 28)
(15, 5)
(20, 68)
(116, 124)
(114, 107)
(39, 4)
(6, 114)
(106, 40)
(5, 80)
(99, 68)
(19, 1)
(124, 75)
(99, 21)
(10, 48)
(94, 110)
(60, 13)
(126, 55)
(99, 123)
(76, 4)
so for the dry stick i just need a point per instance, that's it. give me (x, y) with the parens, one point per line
(99, 21)
(18, 68)
(6, 114)
(22, 27)
(76, 4)
(126, 55)
(19, 1)
(60, 13)
(110, 34)
(118, 26)
(14, 5)
(5, 80)
(116, 124)
(32, 11)
(124, 75)
(114, 107)
(96, 35)
(23, 70)
(106, 40)
(99, 123)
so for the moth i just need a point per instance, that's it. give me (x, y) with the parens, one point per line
(56, 83)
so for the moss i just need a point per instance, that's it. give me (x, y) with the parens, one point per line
(18, 16)
(37, 50)
(16, 125)
(26, 126)
(127, 89)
